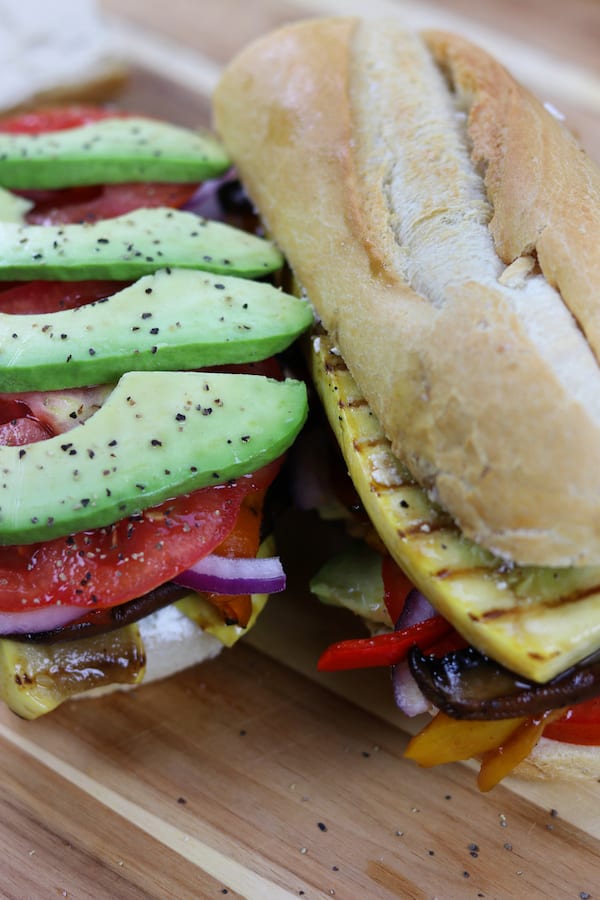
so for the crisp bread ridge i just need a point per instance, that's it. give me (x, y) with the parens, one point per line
(501, 420)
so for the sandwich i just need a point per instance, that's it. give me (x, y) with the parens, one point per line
(444, 225)
(143, 411)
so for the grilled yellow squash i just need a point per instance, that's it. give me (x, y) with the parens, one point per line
(536, 621)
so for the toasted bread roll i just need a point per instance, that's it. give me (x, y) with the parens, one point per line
(447, 230)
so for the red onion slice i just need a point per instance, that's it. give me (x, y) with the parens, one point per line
(416, 609)
(222, 575)
(407, 693)
(34, 621)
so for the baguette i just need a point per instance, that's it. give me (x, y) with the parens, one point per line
(453, 261)
(445, 226)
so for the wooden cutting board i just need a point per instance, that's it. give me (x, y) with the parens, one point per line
(251, 776)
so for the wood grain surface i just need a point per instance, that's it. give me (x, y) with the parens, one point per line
(251, 776)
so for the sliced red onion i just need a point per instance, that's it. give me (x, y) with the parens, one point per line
(34, 621)
(407, 694)
(205, 201)
(417, 608)
(222, 575)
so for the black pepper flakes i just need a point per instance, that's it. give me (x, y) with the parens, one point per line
(321, 826)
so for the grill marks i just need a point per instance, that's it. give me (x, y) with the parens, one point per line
(508, 612)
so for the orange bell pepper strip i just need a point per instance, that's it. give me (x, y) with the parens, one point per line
(446, 740)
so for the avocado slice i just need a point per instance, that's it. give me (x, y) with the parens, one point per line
(352, 579)
(159, 434)
(12, 207)
(174, 319)
(132, 245)
(110, 151)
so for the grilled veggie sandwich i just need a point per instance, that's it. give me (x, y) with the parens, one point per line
(445, 226)
(143, 414)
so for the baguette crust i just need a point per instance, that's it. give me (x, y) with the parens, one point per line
(351, 138)
(561, 762)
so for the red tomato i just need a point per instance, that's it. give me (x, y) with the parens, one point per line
(35, 297)
(55, 118)
(579, 725)
(396, 587)
(106, 201)
(108, 566)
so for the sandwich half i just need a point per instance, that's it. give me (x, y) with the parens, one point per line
(445, 226)
(143, 414)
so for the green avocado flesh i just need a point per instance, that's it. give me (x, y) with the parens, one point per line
(174, 319)
(158, 435)
(132, 245)
(110, 151)
(352, 579)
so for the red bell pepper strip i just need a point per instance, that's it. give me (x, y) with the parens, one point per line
(396, 587)
(383, 649)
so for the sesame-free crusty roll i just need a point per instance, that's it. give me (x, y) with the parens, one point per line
(446, 228)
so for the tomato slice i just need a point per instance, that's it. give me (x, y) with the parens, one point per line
(56, 118)
(108, 566)
(106, 201)
(35, 297)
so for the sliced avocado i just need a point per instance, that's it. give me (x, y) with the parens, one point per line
(174, 319)
(110, 151)
(12, 207)
(352, 579)
(158, 435)
(36, 678)
(132, 245)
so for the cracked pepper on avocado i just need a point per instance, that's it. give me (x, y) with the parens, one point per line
(446, 228)
(143, 414)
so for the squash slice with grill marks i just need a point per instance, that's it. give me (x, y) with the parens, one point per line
(536, 621)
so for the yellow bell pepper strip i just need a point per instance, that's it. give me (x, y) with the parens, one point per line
(501, 744)
(446, 739)
(498, 763)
